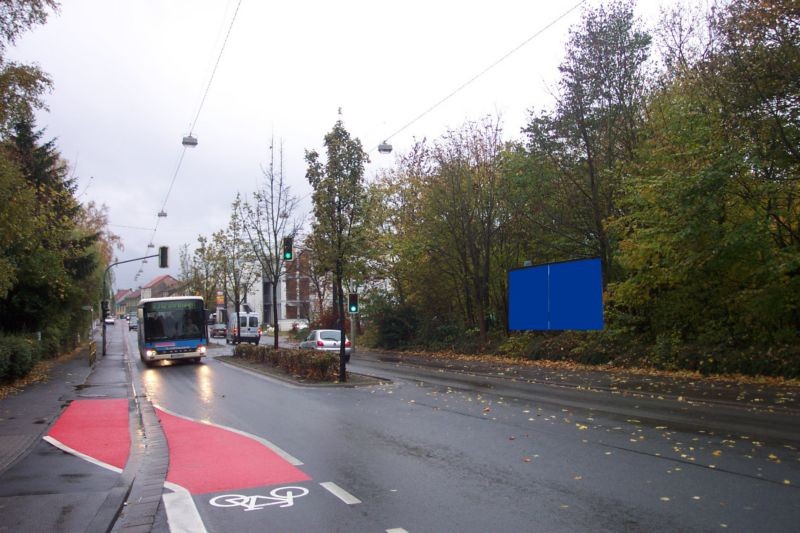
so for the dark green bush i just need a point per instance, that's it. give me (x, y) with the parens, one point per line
(52, 342)
(5, 361)
(17, 356)
(395, 327)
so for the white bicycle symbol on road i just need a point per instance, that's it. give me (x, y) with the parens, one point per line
(282, 497)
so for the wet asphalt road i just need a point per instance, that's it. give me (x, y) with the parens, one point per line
(435, 451)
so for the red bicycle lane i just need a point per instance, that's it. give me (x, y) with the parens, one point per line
(214, 472)
(97, 430)
(203, 458)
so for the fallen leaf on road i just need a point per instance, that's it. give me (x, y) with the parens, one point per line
(716, 453)
(664, 499)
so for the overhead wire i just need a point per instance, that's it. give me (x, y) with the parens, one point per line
(214, 70)
(193, 124)
(414, 120)
(485, 70)
(475, 77)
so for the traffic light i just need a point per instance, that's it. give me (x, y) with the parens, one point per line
(104, 307)
(162, 257)
(288, 254)
(352, 302)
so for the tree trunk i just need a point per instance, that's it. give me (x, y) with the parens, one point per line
(340, 311)
(276, 329)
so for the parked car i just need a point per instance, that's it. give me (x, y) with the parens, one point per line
(109, 320)
(244, 327)
(218, 330)
(133, 323)
(326, 340)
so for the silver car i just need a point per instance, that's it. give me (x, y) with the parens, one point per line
(326, 340)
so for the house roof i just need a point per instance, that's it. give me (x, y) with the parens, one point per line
(165, 278)
(133, 294)
(121, 294)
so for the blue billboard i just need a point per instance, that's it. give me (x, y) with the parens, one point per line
(556, 296)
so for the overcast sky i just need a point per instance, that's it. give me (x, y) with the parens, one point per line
(129, 78)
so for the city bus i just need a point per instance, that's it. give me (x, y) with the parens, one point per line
(172, 328)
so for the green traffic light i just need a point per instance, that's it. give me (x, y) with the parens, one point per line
(288, 253)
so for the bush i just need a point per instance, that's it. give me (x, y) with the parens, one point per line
(395, 327)
(300, 334)
(5, 361)
(52, 341)
(17, 357)
(309, 365)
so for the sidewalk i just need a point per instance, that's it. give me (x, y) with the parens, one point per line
(41, 487)
(624, 382)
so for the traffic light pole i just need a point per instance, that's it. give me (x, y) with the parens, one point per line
(352, 306)
(104, 289)
(353, 333)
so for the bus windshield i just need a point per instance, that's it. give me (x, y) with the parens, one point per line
(173, 320)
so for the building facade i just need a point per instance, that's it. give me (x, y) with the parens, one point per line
(295, 299)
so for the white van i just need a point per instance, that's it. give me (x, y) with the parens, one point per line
(245, 325)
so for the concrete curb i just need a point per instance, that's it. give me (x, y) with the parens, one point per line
(148, 463)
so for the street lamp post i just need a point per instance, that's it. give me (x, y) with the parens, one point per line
(162, 263)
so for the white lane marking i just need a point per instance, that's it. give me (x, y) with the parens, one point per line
(274, 447)
(182, 514)
(60, 445)
(340, 493)
(396, 530)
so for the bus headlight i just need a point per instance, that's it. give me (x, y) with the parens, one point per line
(201, 349)
(150, 353)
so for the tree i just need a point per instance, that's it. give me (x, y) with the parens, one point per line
(21, 86)
(462, 213)
(592, 134)
(712, 218)
(17, 199)
(339, 211)
(267, 224)
(237, 262)
(42, 262)
(94, 221)
(50, 248)
(199, 271)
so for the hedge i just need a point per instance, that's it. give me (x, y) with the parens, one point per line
(18, 355)
(306, 364)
